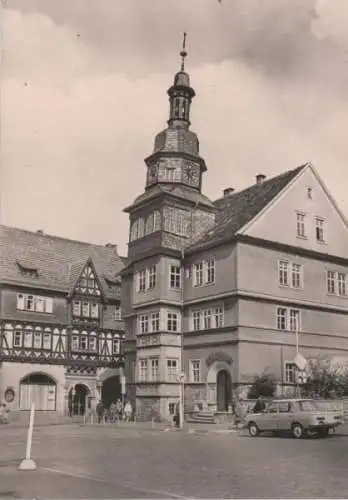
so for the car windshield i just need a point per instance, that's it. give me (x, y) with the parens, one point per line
(307, 405)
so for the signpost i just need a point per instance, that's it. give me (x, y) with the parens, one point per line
(28, 463)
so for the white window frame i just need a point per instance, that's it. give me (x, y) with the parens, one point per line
(172, 369)
(17, 338)
(196, 319)
(141, 281)
(143, 323)
(290, 372)
(283, 272)
(320, 229)
(198, 274)
(92, 343)
(300, 225)
(143, 369)
(296, 275)
(174, 276)
(331, 282)
(155, 322)
(37, 340)
(47, 340)
(210, 271)
(154, 369)
(173, 321)
(292, 319)
(195, 371)
(218, 316)
(94, 310)
(207, 319)
(116, 346)
(85, 309)
(151, 278)
(76, 308)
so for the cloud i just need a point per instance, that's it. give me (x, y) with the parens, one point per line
(80, 111)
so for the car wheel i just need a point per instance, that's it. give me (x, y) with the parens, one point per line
(253, 429)
(297, 431)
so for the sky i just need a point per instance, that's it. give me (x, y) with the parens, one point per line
(83, 94)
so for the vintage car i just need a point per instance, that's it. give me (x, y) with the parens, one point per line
(298, 416)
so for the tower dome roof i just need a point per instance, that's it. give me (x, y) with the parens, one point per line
(179, 139)
(182, 79)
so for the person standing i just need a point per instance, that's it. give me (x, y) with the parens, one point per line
(128, 411)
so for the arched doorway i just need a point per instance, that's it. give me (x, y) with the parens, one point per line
(111, 390)
(78, 399)
(223, 390)
(40, 389)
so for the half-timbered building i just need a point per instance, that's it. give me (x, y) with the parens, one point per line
(61, 322)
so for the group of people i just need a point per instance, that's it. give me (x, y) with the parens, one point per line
(116, 411)
(241, 409)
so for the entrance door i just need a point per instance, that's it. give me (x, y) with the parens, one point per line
(78, 403)
(40, 389)
(223, 390)
(111, 391)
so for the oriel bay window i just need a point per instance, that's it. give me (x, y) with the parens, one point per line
(172, 322)
(154, 363)
(85, 309)
(174, 276)
(149, 322)
(84, 342)
(172, 370)
(143, 370)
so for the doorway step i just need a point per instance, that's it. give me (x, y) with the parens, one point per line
(202, 417)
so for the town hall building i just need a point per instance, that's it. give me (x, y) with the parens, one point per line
(217, 292)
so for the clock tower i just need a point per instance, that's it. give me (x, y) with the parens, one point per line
(169, 215)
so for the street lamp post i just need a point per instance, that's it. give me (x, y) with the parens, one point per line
(181, 380)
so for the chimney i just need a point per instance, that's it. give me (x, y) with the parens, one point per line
(228, 191)
(260, 178)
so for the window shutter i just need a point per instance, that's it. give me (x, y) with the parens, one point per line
(49, 305)
(20, 302)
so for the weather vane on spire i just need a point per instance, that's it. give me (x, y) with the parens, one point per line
(183, 53)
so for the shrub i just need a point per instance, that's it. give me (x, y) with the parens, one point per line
(263, 385)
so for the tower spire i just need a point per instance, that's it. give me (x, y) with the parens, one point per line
(183, 52)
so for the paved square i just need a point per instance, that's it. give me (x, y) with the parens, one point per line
(111, 462)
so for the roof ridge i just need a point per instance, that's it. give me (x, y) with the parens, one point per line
(62, 238)
(271, 179)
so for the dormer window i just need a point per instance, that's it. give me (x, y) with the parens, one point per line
(27, 269)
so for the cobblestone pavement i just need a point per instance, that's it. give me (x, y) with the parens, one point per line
(133, 462)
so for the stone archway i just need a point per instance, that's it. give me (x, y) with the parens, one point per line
(219, 383)
(111, 390)
(40, 389)
(78, 399)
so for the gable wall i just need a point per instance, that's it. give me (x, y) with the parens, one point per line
(278, 222)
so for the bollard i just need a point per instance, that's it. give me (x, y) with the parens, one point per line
(28, 463)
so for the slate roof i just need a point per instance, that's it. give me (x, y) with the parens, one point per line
(178, 191)
(238, 209)
(58, 261)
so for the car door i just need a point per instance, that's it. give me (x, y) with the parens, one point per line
(269, 418)
(284, 416)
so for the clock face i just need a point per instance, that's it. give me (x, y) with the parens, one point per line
(191, 174)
